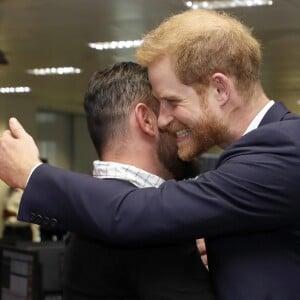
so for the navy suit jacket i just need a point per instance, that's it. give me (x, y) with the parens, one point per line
(248, 208)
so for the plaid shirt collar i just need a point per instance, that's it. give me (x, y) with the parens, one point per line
(113, 170)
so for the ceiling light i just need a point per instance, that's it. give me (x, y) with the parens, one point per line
(15, 90)
(54, 71)
(215, 4)
(115, 45)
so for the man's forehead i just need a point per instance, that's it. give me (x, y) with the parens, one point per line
(159, 68)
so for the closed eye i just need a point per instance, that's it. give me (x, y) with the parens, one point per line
(171, 101)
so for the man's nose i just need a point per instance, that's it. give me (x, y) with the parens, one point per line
(164, 117)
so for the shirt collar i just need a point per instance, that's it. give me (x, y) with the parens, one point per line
(255, 122)
(113, 170)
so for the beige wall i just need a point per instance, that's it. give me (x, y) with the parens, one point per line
(18, 106)
(83, 151)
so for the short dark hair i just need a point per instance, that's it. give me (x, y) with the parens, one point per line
(111, 95)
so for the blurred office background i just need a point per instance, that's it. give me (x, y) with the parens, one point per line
(50, 48)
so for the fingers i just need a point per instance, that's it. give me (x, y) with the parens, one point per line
(202, 250)
(6, 133)
(16, 128)
(204, 261)
(201, 245)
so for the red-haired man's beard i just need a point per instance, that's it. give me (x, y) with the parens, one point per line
(168, 156)
(207, 132)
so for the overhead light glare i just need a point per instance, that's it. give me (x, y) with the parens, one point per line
(218, 4)
(54, 71)
(15, 90)
(115, 45)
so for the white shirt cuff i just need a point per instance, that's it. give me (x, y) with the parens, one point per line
(32, 170)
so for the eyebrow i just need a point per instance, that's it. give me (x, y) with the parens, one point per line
(167, 96)
(171, 97)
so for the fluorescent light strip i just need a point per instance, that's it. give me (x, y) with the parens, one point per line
(54, 71)
(226, 4)
(15, 90)
(115, 45)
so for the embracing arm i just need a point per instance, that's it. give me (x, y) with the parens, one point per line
(255, 187)
(248, 191)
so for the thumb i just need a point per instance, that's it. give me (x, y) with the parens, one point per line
(16, 128)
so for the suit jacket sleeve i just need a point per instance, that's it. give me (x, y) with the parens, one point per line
(254, 187)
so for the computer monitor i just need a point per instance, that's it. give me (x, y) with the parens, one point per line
(31, 271)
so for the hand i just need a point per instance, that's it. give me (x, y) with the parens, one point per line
(202, 250)
(18, 155)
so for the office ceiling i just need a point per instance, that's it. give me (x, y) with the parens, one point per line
(42, 33)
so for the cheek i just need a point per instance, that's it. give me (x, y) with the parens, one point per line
(194, 110)
(189, 117)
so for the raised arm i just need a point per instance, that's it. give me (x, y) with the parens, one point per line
(248, 191)
(237, 196)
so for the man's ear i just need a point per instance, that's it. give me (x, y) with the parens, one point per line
(146, 119)
(222, 85)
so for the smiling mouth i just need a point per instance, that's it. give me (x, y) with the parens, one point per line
(182, 133)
